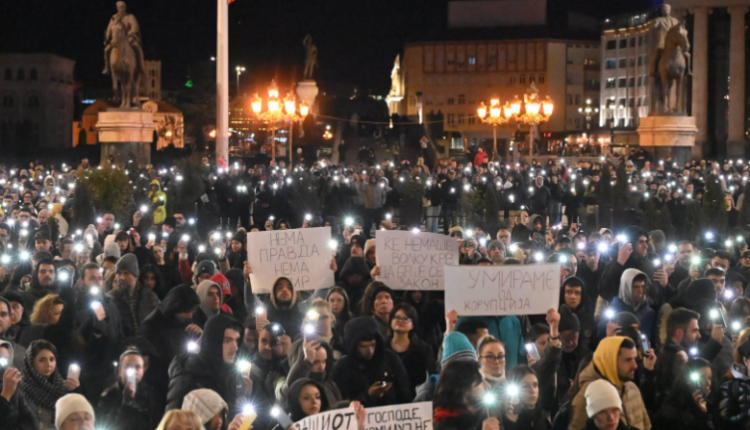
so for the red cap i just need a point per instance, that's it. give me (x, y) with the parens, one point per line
(223, 282)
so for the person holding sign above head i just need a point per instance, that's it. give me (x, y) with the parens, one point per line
(285, 307)
(369, 372)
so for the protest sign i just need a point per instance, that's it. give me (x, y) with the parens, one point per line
(411, 416)
(302, 255)
(338, 419)
(414, 261)
(502, 290)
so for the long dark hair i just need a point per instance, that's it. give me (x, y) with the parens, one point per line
(681, 395)
(456, 381)
(410, 312)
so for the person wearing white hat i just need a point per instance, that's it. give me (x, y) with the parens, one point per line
(74, 412)
(604, 406)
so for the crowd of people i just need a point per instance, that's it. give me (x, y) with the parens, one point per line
(150, 321)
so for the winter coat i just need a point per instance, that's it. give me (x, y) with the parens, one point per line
(207, 368)
(635, 410)
(302, 370)
(679, 411)
(355, 375)
(147, 302)
(609, 284)
(527, 420)
(540, 200)
(158, 202)
(624, 303)
(734, 400)
(291, 317)
(163, 330)
(418, 360)
(143, 412)
(17, 414)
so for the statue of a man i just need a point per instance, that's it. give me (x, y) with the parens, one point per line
(134, 36)
(311, 56)
(661, 26)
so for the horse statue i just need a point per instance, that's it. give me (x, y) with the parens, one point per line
(125, 68)
(672, 68)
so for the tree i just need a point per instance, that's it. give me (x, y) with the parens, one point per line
(109, 190)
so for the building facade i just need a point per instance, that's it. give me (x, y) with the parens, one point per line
(36, 91)
(452, 78)
(626, 44)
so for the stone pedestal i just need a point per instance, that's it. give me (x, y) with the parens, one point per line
(307, 91)
(126, 131)
(669, 136)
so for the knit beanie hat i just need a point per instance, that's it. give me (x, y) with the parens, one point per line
(456, 228)
(496, 244)
(568, 320)
(70, 404)
(205, 403)
(601, 395)
(112, 250)
(456, 346)
(128, 263)
(369, 245)
(205, 266)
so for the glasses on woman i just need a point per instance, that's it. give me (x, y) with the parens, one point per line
(491, 357)
(402, 319)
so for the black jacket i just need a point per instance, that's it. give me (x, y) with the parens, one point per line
(461, 422)
(143, 412)
(166, 332)
(419, 361)
(354, 375)
(206, 369)
(17, 414)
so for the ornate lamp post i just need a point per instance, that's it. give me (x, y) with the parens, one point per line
(588, 112)
(497, 116)
(275, 114)
(535, 112)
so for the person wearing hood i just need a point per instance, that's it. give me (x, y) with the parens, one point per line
(316, 365)
(232, 286)
(354, 277)
(573, 351)
(615, 361)
(237, 254)
(134, 302)
(686, 407)
(369, 372)
(633, 254)
(16, 412)
(734, 394)
(211, 297)
(633, 298)
(270, 364)
(308, 397)
(158, 202)
(213, 367)
(590, 272)
(285, 308)
(171, 327)
(572, 294)
(129, 406)
(340, 307)
(377, 302)
(43, 282)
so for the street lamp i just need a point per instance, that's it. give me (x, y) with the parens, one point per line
(535, 112)
(495, 116)
(588, 112)
(327, 135)
(239, 70)
(277, 112)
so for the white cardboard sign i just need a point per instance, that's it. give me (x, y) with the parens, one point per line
(337, 419)
(414, 261)
(302, 255)
(502, 290)
(410, 416)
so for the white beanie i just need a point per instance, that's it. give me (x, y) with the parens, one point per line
(601, 395)
(205, 403)
(70, 404)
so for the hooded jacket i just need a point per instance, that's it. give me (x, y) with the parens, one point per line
(290, 317)
(293, 404)
(158, 202)
(613, 270)
(16, 414)
(354, 266)
(583, 311)
(206, 369)
(700, 289)
(604, 366)
(302, 370)
(355, 375)
(204, 311)
(625, 303)
(163, 329)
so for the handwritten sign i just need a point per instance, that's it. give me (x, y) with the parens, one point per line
(414, 261)
(411, 416)
(502, 290)
(338, 419)
(302, 255)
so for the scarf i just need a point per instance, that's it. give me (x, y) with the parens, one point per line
(39, 390)
(441, 414)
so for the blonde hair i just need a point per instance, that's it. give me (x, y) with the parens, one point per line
(183, 418)
(744, 335)
(488, 340)
(43, 308)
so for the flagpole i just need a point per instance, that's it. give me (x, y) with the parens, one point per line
(222, 81)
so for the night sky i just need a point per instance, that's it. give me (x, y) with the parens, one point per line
(357, 39)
